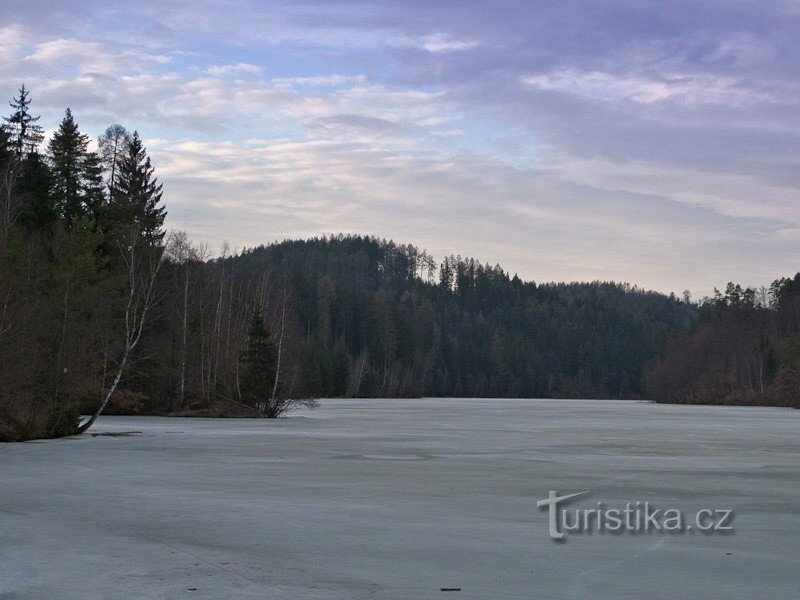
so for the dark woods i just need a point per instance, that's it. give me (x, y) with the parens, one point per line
(102, 311)
(744, 349)
(375, 318)
(79, 258)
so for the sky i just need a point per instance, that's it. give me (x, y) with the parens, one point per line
(656, 143)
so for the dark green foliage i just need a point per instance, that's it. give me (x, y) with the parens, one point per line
(365, 317)
(6, 150)
(136, 195)
(22, 126)
(327, 370)
(741, 351)
(787, 379)
(33, 189)
(76, 174)
(64, 307)
(478, 332)
(258, 363)
(55, 290)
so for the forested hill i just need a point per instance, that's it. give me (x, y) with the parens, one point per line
(374, 318)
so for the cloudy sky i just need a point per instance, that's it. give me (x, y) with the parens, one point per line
(565, 140)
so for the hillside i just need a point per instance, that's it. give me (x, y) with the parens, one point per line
(368, 317)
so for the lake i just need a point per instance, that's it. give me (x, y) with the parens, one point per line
(401, 499)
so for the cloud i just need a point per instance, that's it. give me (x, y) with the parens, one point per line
(441, 42)
(531, 221)
(10, 45)
(71, 55)
(334, 80)
(733, 195)
(687, 89)
(238, 70)
(654, 142)
(357, 128)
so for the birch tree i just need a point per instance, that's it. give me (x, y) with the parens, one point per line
(11, 203)
(277, 406)
(142, 265)
(181, 252)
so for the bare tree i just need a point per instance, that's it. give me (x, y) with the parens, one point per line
(112, 143)
(276, 406)
(181, 252)
(10, 203)
(359, 368)
(142, 267)
(10, 210)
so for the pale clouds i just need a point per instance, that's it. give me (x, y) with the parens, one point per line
(349, 106)
(468, 203)
(441, 42)
(238, 69)
(728, 194)
(687, 89)
(10, 44)
(86, 57)
(656, 143)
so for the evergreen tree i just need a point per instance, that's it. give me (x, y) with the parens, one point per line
(77, 184)
(6, 152)
(136, 195)
(33, 187)
(258, 363)
(340, 369)
(26, 134)
(26, 177)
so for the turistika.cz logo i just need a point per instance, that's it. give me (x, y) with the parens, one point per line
(636, 517)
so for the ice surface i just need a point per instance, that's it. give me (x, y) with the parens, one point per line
(400, 498)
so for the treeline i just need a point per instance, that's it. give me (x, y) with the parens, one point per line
(743, 349)
(375, 318)
(347, 316)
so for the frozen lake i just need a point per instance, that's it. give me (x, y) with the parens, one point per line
(401, 498)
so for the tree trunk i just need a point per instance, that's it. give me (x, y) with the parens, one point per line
(273, 398)
(89, 422)
(140, 299)
(185, 325)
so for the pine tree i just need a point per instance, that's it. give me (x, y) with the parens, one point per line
(258, 362)
(93, 188)
(77, 183)
(39, 211)
(27, 176)
(6, 153)
(26, 134)
(136, 194)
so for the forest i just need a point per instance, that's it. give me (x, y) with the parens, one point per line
(743, 349)
(102, 310)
